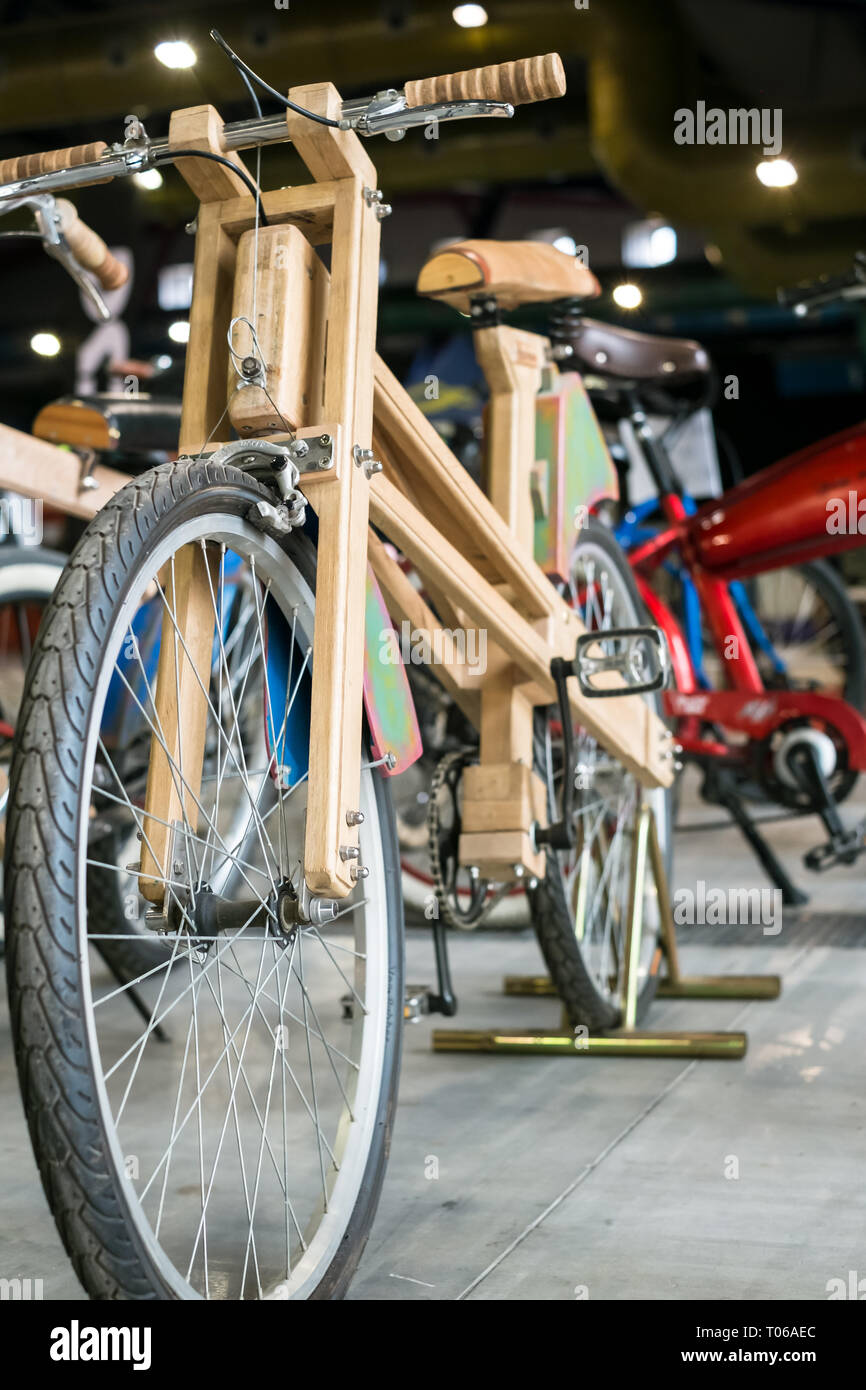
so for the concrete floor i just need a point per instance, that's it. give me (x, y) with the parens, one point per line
(562, 1178)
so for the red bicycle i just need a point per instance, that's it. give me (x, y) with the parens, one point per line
(802, 748)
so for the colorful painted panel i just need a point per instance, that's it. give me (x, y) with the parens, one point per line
(387, 699)
(573, 470)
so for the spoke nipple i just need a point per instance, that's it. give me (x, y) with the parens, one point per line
(354, 817)
(474, 871)
(359, 871)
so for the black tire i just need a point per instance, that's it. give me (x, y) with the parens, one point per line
(551, 916)
(87, 1193)
(127, 959)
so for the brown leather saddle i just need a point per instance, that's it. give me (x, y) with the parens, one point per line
(610, 351)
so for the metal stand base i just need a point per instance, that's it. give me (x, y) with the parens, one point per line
(627, 1041)
(619, 1042)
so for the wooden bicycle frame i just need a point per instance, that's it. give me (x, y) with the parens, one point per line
(474, 557)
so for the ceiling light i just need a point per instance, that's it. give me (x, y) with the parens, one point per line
(148, 178)
(649, 243)
(45, 344)
(179, 331)
(469, 16)
(174, 287)
(776, 173)
(176, 53)
(627, 296)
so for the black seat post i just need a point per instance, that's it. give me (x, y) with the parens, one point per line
(655, 453)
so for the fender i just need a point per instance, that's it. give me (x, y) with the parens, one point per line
(388, 702)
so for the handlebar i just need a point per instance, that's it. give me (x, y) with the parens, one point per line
(32, 179)
(812, 294)
(524, 80)
(487, 91)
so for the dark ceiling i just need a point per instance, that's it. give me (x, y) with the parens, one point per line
(587, 164)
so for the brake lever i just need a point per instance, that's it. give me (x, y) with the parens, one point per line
(56, 245)
(388, 114)
(60, 251)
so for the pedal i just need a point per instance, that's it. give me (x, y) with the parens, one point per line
(639, 655)
(839, 849)
(416, 1003)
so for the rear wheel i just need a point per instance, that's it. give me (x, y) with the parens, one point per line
(806, 634)
(234, 1146)
(580, 908)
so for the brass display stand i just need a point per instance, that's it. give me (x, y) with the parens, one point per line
(626, 1041)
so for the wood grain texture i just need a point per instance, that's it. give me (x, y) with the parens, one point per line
(421, 451)
(511, 272)
(204, 382)
(327, 152)
(520, 81)
(310, 207)
(180, 715)
(281, 281)
(201, 128)
(495, 852)
(72, 422)
(502, 796)
(511, 360)
(342, 508)
(36, 468)
(627, 727)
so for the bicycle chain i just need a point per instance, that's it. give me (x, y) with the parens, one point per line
(453, 915)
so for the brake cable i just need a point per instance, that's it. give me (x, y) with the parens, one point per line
(272, 91)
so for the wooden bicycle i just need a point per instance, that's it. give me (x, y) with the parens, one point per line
(253, 772)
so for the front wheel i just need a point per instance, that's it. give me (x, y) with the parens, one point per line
(234, 1145)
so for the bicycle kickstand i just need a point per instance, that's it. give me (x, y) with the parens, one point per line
(717, 788)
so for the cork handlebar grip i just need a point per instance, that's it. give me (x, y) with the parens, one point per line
(90, 250)
(27, 166)
(524, 80)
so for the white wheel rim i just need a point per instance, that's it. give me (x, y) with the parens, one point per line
(348, 1142)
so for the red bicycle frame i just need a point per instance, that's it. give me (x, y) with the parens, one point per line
(810, 504)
